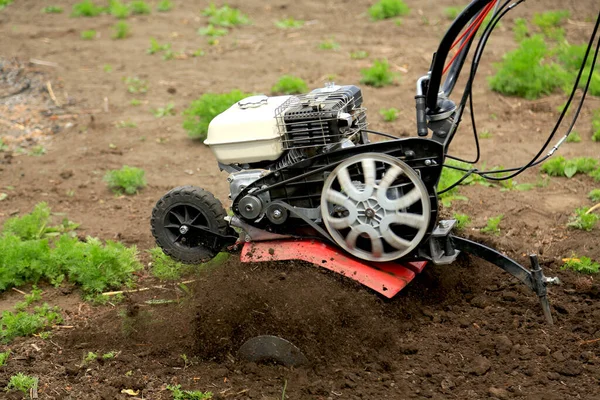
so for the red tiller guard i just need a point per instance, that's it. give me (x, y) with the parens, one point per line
(385, 278)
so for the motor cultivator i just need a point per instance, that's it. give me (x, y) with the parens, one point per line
(307, 183)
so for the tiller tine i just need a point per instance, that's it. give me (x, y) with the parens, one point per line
(385, 278)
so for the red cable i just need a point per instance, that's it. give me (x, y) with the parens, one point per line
(471, 30)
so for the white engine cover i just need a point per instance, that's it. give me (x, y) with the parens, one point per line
(247, 132)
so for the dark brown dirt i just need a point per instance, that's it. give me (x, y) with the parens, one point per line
(461, 331)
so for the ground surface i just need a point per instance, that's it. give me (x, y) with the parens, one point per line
(464, 331)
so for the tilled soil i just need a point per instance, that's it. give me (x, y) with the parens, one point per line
(461, 331)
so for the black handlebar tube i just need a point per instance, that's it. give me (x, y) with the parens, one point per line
(439, 59)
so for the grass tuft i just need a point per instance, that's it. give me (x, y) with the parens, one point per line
(121, 29)
(4, 358)
(389, 114)
(574, 137)
(212, 31)
(225, 16)
(201, 111)
(86, 8)
(289, 23)
(462, 220)
(139, 7)
(385, 9)
(289, 84)
(126, 180)
(118, 10)
(88, 35)
(379, 75)
(164, 6)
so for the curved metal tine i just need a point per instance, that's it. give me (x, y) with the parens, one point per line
(352, 191)
(376, 243)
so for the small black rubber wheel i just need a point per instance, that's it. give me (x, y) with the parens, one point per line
(176, 219)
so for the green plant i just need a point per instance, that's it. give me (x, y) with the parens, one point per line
(4, 3)
(38, 150)
(596, 126)
(139, 7)
(289, 23)
(135, 102)
(136, 85)
(118, 10)
(212, 32)
(179, 394)
(581, 264)
(164, 267)
(550, 21)
(378, 75)
(359, 54)
(107, 68)
(87, 8)
(201, 111)
(22, 383)
(125, 180)
(462, 220)
(36, 225)
(156, 47)
(52, 10)
(595, 174)
(225, 16)
(121, 29)
(559, 166)
(88, 35)
(23, 323)
(574, 137)
(89, 357)
(526, 72)
(594, 195)
(164, 6)
(289, 84)
(485, 135)
(520, 29)
(165, 111)
(385, 9)
(109, 356)
(583, 220)
(126, 124)
(452, 12)
(4, 358)
(329, 44)
(389, 114)
(493, 225)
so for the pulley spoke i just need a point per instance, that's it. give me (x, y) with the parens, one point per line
(403, 202)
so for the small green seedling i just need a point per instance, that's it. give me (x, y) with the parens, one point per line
(52, 10)
(289, 84)
(574, 137)
(23, 323)
(198, 53)
(520, 29)
(225, 16)
(156, 47)
(462, 220)
(329, 44)
(87, 8)
(38, 150)
(385, 9)
(549, 22)
(109, 356)
(452, 12)
(89, 357)
(198, 115)
(118, 9)
(583, 220)
(559, 166)
(164, 6)
(179, 394)
(126, 180)
(289, 23)
(389, 114)
(485, 135)
(596, 126)
(135, 102)
(121, 30)
(584, 265)
(21, 382)
(165, 111)
(594, 195)
(136, 85)
(4, 358)
(88, 35)
(379, 75)
(107, 68)
(126, 124)
(212, 31)
(359, 55)
(493, 225)
(139, 7)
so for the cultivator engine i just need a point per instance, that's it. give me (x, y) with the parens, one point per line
(306, 182)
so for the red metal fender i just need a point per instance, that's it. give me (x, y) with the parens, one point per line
(385, 278)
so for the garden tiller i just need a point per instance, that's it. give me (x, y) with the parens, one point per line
(307, 183)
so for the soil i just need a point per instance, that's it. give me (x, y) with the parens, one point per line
(462, 331)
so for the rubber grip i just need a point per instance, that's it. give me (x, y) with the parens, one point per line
(421, 118)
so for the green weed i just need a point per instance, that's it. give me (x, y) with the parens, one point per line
(289, 23)
(4, 3)
(289, 84)
(225, 16)
(107, 68)
(139, 7)
(389, 114)
(549, 22)
(212, 31)
(164, 6)
(462, 220)
(109, 356)
(135, 102)
(493, 225)
(126, 124)
(23, 323)
(329, 44)
(179, 394)
(581, 264)
(526, 72)
(118, 10)
(126, 180)
(559, 166)
(165, 111)
(4, 358)
(583, 220)
(520, 29)
(359, 55)
(88, 35)
(22, 383)
(121, 30)
(87, 8)
(89, 357)
(136, 85)
(574, 137)
(596, 126)
(485, 135)
(156, 47)
(378, 75)
(36, 225)
(198, 115)
(38, 150)
(385, 9)
(595, 174)
(198, 53)
(52, 10)
(164, 267)
(452, 12)
(594, 195)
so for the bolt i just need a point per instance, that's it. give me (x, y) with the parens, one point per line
(249, 207)
(247, 238)
(277, 214)
(427, 162)
(369, 213)
(183, 229)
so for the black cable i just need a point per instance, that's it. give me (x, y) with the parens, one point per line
(458, 182)
(380, 134)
